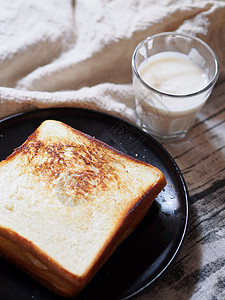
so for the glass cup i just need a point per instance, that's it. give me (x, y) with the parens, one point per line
(189, 68)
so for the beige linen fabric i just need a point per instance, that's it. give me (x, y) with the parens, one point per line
(78, 53)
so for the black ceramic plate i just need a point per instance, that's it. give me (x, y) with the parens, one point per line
(149, 250)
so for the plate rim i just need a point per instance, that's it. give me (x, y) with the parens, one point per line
(37, 112)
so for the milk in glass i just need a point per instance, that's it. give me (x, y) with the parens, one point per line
(168, 100)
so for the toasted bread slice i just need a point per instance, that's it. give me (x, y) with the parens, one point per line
(67, 201)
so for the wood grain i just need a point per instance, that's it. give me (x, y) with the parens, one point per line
(199, 271)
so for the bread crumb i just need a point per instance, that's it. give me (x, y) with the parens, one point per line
(9, 206)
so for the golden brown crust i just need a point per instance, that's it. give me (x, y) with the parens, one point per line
(38, 265)
(83, 169)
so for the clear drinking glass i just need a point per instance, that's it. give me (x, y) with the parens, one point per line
(169, 115)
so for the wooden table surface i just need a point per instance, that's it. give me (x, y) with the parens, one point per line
(199, 271)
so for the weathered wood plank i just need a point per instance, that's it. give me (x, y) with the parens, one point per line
(199, 272)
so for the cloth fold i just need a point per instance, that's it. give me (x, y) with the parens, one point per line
(78, 53)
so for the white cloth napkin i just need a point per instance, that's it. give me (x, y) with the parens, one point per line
(57, 53)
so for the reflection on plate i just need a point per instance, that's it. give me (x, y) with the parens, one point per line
(150, 249)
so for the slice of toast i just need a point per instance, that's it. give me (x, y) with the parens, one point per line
(67, 201)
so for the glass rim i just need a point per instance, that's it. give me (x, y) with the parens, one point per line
(149, 38)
